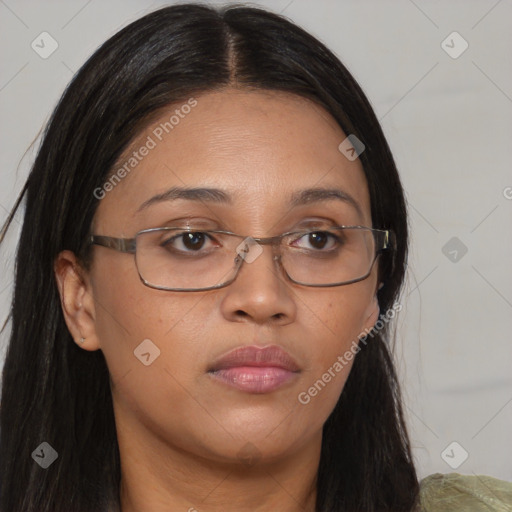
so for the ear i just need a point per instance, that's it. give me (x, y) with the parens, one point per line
(76, 300)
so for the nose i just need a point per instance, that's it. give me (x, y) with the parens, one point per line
(260, 292)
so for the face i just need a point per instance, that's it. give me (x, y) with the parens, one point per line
(260, 148)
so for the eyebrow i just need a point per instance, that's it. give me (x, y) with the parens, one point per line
(215, 195)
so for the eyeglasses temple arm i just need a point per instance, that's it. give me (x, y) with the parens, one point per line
(118, 244)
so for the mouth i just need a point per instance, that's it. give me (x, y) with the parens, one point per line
(254, 369)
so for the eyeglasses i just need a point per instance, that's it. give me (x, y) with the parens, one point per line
(188, 259)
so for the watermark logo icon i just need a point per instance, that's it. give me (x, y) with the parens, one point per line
(147, 352)
(454, 455)
(351, 147)
(454, 45)
(44, 45)
(249, 249)
(454, 249)
(249, 454)
(45, 455)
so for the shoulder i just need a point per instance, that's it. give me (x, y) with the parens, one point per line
(472, 493)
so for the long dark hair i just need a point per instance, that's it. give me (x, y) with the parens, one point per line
(54, 391)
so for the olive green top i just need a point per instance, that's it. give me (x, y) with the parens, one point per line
(467, 493)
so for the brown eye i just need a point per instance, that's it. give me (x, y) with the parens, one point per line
(318, 240)
(187, 241)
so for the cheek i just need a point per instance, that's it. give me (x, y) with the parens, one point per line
(133, 320)
(336, 319)
(334, 322)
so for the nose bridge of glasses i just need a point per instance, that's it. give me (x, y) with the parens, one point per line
(251, 248)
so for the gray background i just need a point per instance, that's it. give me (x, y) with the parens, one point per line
(449, 124)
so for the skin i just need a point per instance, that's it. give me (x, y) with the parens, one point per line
(180, 432)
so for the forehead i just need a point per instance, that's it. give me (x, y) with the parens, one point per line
(260, 147)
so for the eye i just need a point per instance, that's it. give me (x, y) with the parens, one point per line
(187, 241)
(319, 240)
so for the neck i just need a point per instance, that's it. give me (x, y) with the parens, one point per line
(157, 477)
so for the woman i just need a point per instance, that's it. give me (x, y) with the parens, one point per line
(214, 242)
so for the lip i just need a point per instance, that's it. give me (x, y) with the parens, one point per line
(255, 369)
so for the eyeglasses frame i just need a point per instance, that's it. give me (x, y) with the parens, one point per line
(129, 246)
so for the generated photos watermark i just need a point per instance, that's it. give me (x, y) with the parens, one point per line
(152, 140)
(304, 397)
